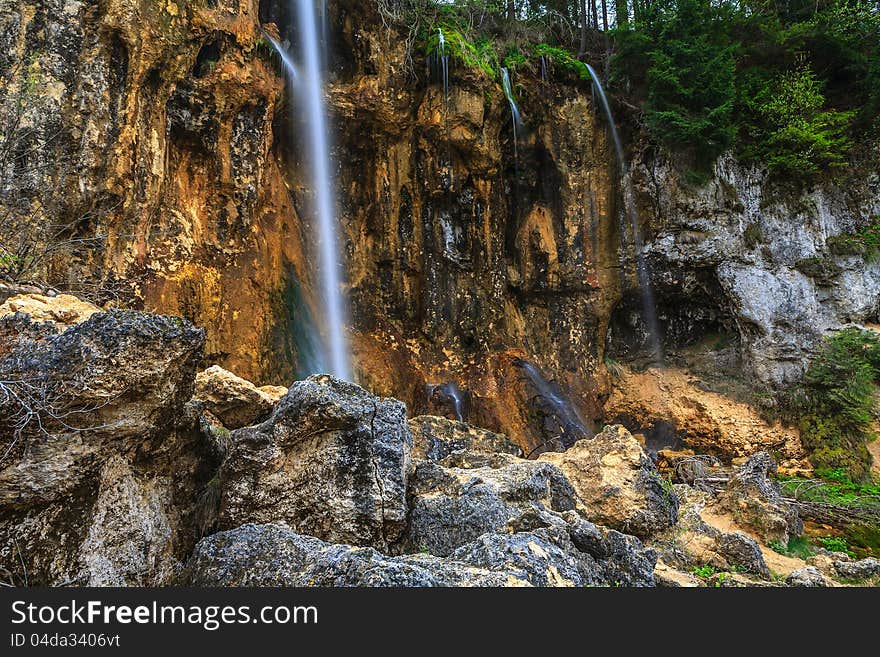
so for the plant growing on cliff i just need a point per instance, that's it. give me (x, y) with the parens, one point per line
(798, 137)
(41, 221)
(838, 404)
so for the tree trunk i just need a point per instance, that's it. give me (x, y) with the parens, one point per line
(511, 10)
(605, 15)
(595, 14)
(584, 21)
(621, 9)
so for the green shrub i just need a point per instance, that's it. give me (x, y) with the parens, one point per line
(834, 544)
(838, 405)
(864, 242)
(705, 571)
(800, 138)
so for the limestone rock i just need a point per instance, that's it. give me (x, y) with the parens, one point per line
(107, 490)
(235, 401)
(617, 482)
(866, 569)
(271, 555)
(807, 577)
(103, 386)
(706, 421)
(456, 502)
(756, 503)
(63, 309)
(331, 461)
(434, 438)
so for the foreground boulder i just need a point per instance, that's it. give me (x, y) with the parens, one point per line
(103, 464)
(236, 402)
(271, 555)
(617, 482)
(468, 495)
(755, 502)
(331, 461)
(696, 542)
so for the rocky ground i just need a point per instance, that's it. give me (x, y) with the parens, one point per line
(124, 464)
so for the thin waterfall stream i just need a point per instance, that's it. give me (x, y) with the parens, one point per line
(649, 308)
(307, 88)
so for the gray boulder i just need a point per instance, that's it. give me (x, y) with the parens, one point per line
(456, 502)
(865, 569)
(271, 555)
(807, 577)
(331, 461)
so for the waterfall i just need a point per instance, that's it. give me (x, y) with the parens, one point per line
(446, 392)
(286, 59)
(312, 88)
(557, 406)
(514, 110)
(649, 307)
(444, 69)
(307, 85)
(543, 68)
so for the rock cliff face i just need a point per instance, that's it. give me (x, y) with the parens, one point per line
(757, 258)
(167, 132)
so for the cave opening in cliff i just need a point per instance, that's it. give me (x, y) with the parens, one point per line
(208, 57)
(697, 329)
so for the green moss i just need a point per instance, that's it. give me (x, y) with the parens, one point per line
(478, 54)
(837, 403)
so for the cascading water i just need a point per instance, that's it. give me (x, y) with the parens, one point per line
(307, 86)
(444, 69)
(557, 406)
(543, 68)
(286, 59)
(514, 110)
(312, 87)
(642, 271)
(448, 393)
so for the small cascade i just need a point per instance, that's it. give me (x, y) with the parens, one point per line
(286, 59)
(439, 64)
(514, 110)
(318, 140)
(557, 407)
(447, 394)
(544, 76)
(649, 307)
(444, 69)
